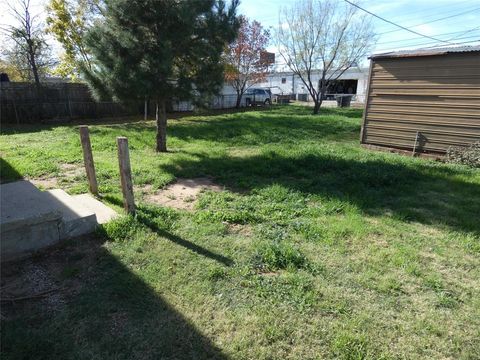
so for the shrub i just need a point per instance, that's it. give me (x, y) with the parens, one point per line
(469, 155)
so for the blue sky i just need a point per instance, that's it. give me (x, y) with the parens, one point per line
(423, 16)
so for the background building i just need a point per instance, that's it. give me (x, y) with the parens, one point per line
(352, 81)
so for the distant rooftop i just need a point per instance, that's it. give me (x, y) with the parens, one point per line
(427, 52)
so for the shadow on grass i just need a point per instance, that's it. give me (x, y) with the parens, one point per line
(105, 312)
(10, 128)
(251, 128)
(147, 217)
(144, 216)
(8, 172)
(422, 192)
(285, 124)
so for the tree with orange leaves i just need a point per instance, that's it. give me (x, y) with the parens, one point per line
(244, 64)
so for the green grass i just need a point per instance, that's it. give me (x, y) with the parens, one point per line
(317, 248)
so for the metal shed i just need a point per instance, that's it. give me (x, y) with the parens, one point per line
(426, 99)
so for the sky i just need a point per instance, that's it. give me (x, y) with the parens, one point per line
(457, 21)
(427, 17)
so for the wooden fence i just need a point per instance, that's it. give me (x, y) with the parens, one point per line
(63, 102)
(27, 103)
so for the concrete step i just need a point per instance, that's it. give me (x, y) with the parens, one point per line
(76, 218)
(31, 219)
(103, 212)
(28, 221)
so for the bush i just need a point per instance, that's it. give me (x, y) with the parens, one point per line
(469, 155)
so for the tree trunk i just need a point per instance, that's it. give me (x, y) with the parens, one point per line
(33, 62)
(319, 100)
(316, 107)
(161, 117)
(239, 100)
(35, 71)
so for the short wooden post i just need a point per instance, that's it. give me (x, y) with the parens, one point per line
(88, 159)
(125, 174)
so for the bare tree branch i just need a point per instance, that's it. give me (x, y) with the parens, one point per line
(29, 51)
(322, 35)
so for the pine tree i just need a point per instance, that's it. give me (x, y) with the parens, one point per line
(159, 50)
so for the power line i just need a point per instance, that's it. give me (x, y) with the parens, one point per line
(399, 26)
(466, 32)
(458, 43)
(428, 47)
(431, 12)
(429, 22)
(477, 37)
(461, 33)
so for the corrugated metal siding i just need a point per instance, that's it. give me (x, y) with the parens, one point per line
(439, 96)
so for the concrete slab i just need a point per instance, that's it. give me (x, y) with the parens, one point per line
(22, 204)
(103, 212)
(22, 241)
(28, 221)
(76, 219)
(31, 219)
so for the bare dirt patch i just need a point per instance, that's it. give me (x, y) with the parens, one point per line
(67, 171)
(45, 183)
(183, 193)
(241, 229)
(71, 171)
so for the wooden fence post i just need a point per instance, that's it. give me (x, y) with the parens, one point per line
(88, 159)
(145, 111)
(125, 174)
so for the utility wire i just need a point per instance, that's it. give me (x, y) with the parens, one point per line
(466, 32)
(426, 47)
(458, 43)
(460, 33)
(461, 36)
(431, 12)
(399, 26)
(436, 42)
(429, 22)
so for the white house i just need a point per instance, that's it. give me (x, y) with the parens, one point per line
(352, 81)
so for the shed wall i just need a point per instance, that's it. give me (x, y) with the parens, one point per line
(438, 96)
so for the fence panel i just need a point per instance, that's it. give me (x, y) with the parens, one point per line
(63, 102)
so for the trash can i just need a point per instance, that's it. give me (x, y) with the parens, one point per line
(344, 100)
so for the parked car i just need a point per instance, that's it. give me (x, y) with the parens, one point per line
(258, 96)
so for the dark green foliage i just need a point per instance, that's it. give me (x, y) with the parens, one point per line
(159, 50)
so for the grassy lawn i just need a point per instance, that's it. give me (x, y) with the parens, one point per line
(316, 249)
